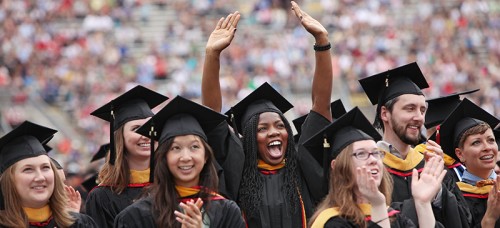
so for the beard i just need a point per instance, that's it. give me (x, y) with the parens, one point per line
(400, 131)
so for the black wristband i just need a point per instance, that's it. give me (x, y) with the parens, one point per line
(323, 48)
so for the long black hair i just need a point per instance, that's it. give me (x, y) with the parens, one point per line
(251, 187)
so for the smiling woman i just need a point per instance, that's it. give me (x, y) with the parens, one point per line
(467, 136)
(126, 171)
(32, 194)
(185, 188)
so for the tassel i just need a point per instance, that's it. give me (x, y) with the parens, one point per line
(152, 136)
(112, 150)
(233, 123)
(438, 135)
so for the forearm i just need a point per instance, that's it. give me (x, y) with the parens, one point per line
(323, 79)
(380, 216)
(425, 214)
(210, 84)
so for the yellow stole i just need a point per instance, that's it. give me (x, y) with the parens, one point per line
(331, 212)
(447, 159)
(412, 160)
(263, 165)
(139, 176)
(38, 214)
(464, 187)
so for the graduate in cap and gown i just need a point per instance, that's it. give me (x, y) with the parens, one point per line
(270, 187)
(437, 111)
(467, 136)
(400, 113)
(32, 192)
(126, 171)
(360, 187)
(184, 186)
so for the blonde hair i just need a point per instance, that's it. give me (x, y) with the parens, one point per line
(116, 176)
(342, 188)
(14, 216)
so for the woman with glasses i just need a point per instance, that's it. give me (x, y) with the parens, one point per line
(359, 186)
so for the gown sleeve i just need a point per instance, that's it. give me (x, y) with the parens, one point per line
(225, 214)
(83, 220)
(136, 215)
(228, 151)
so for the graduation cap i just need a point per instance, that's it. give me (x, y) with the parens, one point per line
(337, 108)
(382, 87)
(134, 104)
(263, 99)
(180, 117)
(350, 127)
(25, 141)
(101, 153)
(464, 117)
(439, 108)
(90, 183)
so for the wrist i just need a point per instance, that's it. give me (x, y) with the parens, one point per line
(321, 39)
(326, 47)
(211, 51)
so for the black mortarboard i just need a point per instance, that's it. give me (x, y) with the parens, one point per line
(101, 153)
(25, 141)
(180, 117)
(263, 99)
(90, 183)
(382, 87)
(56, 163)
(337, 108)
(439, 108)
(465, 116)
(134, 104)
(351, 127)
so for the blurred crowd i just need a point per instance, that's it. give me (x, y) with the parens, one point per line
(76, 55)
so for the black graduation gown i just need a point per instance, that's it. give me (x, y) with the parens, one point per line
(273, 210)
(229, 155)
(222, 213)
(477, 205)
(311, 162)
(103, 204)
(453, 211)
(82, 221)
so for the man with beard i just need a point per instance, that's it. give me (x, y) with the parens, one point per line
(400, 113)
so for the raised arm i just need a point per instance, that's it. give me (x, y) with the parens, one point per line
(220, 38)
(323, 73)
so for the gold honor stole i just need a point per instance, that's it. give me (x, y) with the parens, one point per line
(331, 212)
(138, 179)
(185, 192)
(38, 216)
(395, 165)
(448, 161)
(472, 191)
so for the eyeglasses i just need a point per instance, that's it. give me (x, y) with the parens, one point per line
(364, 155)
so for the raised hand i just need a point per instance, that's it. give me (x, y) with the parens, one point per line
(192, 217)
(425, 187)
(310, 24)
(433, 147)
(223, 33)
(368, 188)
(74, 199)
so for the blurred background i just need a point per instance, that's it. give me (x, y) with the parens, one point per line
(62, 59)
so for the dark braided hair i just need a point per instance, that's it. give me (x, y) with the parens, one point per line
(252, 183)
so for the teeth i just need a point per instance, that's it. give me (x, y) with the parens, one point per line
(486, 157)
(144, 144)
(274, 143)
(185, 167)
(374, 171)
(38, 187)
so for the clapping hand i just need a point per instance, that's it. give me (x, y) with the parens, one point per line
(368, 186)
(192, 217)
(74, 199)
(425, 187)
